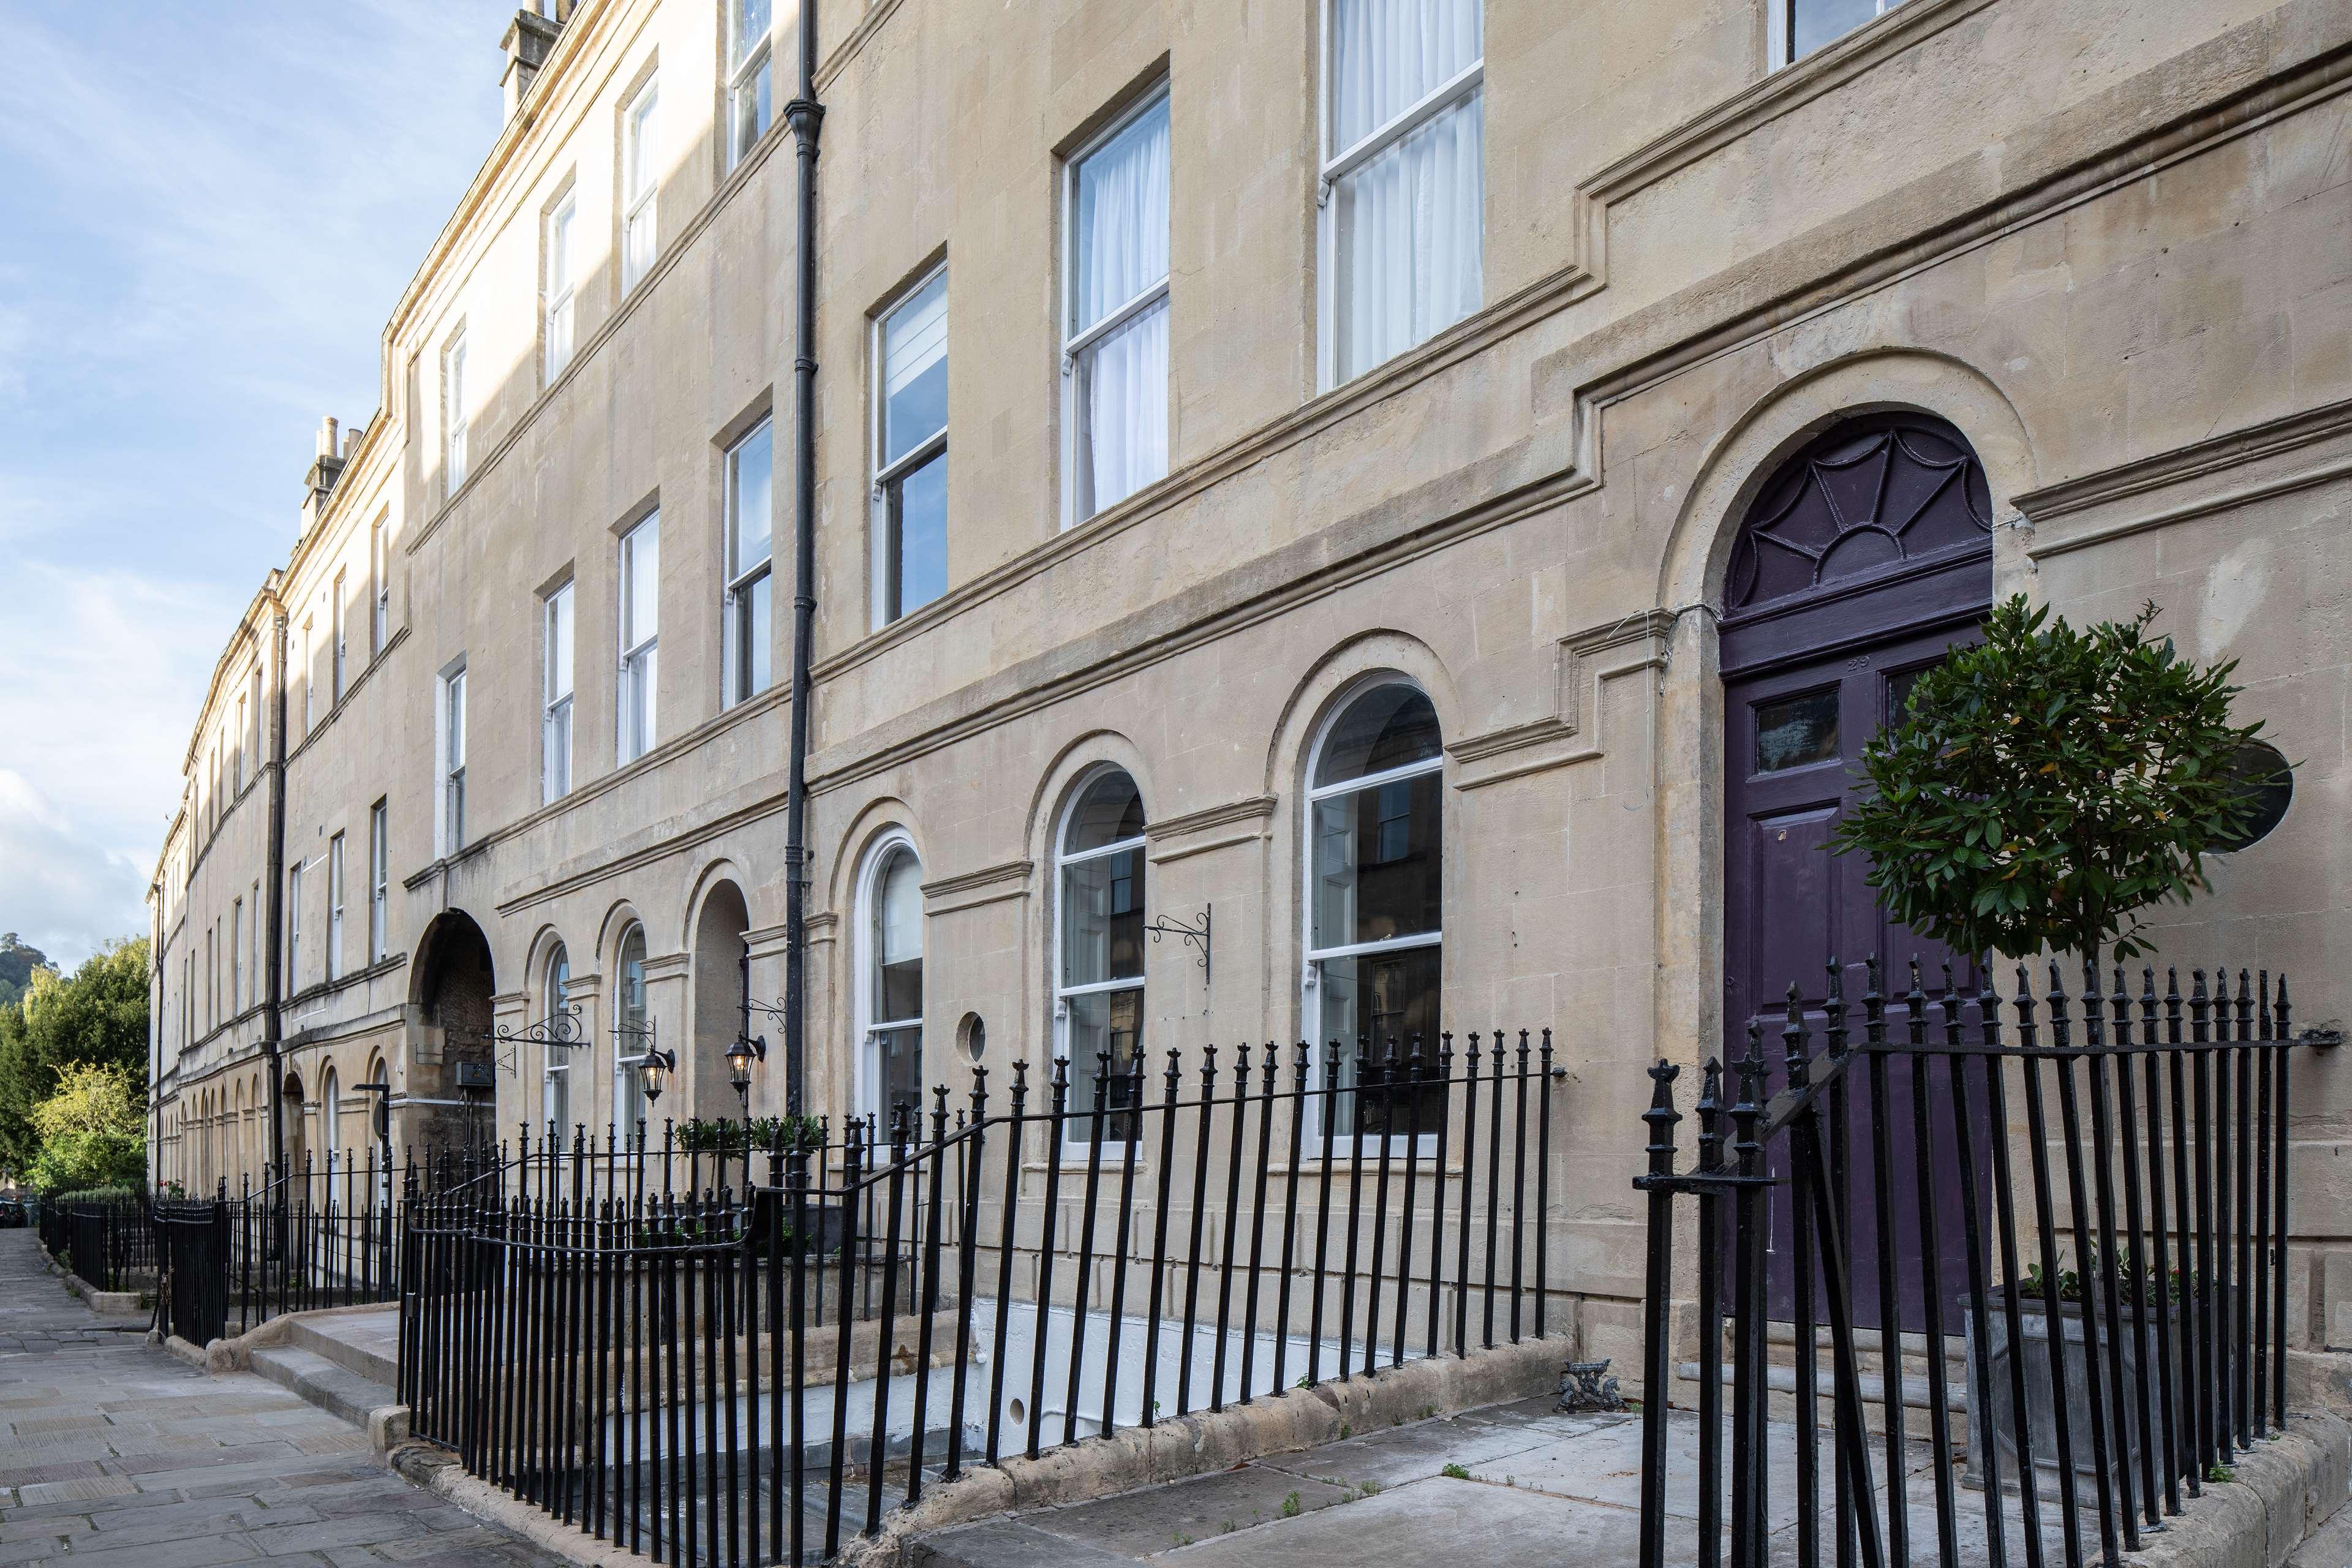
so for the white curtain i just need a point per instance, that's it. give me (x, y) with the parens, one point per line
(1122, 242)
(1411, 219)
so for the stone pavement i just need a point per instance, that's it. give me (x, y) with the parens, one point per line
(1513, 1483)
(117, 1454)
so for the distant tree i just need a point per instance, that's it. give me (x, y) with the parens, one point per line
(2045, 786)
(17, 962)
(97, 1017)
(92, 1131)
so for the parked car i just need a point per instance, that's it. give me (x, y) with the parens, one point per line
(15, 1213)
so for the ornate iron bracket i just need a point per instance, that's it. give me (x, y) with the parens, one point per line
(561, 1027)
(1589, 1387)
(1193, 936)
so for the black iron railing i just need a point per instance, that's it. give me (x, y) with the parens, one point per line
(2110, 1271)
(109, 1243)
(747, 1375)
(192, 1246)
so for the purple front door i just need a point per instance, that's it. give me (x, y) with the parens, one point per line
(1864, 560)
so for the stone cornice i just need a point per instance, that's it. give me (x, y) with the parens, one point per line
(989, 885)
(2182, 467)
(1254, 808)
(1606, 652)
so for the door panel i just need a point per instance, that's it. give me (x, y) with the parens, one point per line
(1792, 740)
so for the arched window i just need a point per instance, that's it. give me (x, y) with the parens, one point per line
(330, 1115)
(630, 1035)
(1375, 877)
(555, 1075)
(377, 1135)
(892, 998)
(1098, 977)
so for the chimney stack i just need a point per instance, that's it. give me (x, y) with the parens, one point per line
(326, 468)
(529, 38)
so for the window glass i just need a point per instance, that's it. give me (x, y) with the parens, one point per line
(1110, 810)
(555, 1107)
(750, 580)
(1797, 731)
(555, 724)
(559, 227)
(1819, 22)
(629, 1036)
(748, 60)
(1406, 177)
(1119, 392)
(1391, 727)
(1375, 914)
(915, 371)
(750, 499)
(920, 543)
(640, 641)
(894, 997)
(1100, 986)
(640, 178)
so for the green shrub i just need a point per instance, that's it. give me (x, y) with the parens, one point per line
(721, 1135)
(2046, 785)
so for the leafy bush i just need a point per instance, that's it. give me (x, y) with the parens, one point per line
(115, 1195)
(725, 1134)
(92, 1131)
(2046, 785)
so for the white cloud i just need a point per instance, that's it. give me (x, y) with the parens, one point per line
(66, 895)
(101, 677)
(209, 217)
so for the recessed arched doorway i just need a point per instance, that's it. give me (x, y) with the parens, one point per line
(1863, 559)
(453, 985)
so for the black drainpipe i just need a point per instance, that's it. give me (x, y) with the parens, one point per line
(272, 1022)
(807, 116)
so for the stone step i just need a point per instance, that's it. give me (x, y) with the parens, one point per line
(1782, 1379)
(334, 1389)
(366, 1344)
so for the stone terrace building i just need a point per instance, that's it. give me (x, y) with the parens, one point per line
(1411, 476)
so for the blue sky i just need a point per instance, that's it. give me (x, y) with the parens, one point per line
(206, 216)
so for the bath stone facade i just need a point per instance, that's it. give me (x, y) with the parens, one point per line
(1178, 501)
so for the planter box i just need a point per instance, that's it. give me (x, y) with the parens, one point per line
(1990, 1402)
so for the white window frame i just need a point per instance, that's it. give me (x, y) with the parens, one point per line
(379, 591)
(641, 208)
(559, 286)
(237, 954)
(868, 1071)
(1075, 343)
(260, 919)
(379, 878)
(743, 76)
(310, 676)
(334, 907)
(453, 412)
(293, 929)
(885, 550)
(1076, 1133)
(449, 820)
(236, 753)
(740, 579)
(335, 627)
(555, 1065)
(556, 707)
(1335, 163)
(629, 1050)
(645, 652)
(1310, 1011)
(1779, 31)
